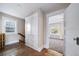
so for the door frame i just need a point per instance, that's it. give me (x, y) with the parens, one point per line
(47, 17)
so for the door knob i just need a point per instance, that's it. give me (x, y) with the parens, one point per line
(77, 40)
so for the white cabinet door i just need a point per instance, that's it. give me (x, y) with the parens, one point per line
(35, 30)
(32, 35)
(31, 39)
(31, 29)
(28, 30)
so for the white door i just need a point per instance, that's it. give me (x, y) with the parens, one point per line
(28, 31)
(31, 29)
(71, 30)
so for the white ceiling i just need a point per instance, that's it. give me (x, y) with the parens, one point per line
(23, 9)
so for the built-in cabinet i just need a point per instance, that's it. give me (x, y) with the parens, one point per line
(34, 31)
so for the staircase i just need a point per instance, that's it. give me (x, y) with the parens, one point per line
(23, 37)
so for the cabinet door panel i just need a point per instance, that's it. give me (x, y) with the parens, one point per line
(27, 30)
(35, 30)
(32, 32)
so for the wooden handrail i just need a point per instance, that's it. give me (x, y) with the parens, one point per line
(21, 35)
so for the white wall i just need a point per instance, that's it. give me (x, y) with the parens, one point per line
(71, 30)
(14, 37)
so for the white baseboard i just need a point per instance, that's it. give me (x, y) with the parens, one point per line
(40, 49)
(11, 42)
(37, 49)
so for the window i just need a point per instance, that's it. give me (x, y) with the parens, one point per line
(10, 26)
(56, 26)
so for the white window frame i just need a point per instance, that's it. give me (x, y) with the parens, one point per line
(15, 26)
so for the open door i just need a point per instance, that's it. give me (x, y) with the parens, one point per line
(55, 33)
(72, 30)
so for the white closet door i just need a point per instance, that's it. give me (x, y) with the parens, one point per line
(31, 40)
(28, 30)
(32, 31)
(35, 30)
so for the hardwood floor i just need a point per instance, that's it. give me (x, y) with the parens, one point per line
(20, 49)
(27, 51)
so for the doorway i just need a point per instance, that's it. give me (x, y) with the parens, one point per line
(55, 35)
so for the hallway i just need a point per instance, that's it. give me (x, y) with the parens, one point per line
(46, 29)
